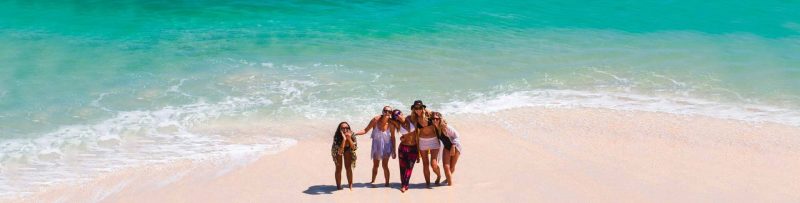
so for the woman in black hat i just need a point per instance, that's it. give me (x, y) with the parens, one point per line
(428, 143)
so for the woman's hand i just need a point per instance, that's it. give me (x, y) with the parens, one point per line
(341, 151)
(394, 155)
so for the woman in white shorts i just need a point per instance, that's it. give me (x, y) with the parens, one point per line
(428, 142)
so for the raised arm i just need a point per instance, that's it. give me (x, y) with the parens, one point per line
(369, 126)
(344, 140)
(349, 140)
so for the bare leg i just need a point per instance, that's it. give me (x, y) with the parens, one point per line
(454, 160)
(386, 171)
(446, 163)
(338, 172)
(426, 171)
(348, 161)
(375, 163)
(435, 164)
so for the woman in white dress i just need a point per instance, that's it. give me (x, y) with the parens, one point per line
(383, 142)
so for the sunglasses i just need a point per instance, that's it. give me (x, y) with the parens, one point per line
(346, 128)
(437, 118)
(387, 111)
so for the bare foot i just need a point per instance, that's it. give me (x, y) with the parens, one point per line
(386, 185)
(402, 189)
(449, 183)
(338, 187)
(428, 185)
(437, 180)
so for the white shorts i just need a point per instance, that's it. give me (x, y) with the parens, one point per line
(429, 143)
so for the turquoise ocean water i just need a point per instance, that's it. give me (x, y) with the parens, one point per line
(79, 78)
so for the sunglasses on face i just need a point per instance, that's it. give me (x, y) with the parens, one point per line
(437, 119)
(387, 111)
(346, 128)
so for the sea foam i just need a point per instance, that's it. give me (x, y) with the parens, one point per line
(131, 138)
(622, 101)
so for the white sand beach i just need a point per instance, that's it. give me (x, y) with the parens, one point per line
(521, 155)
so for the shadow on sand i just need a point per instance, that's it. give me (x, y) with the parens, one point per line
(329, 189)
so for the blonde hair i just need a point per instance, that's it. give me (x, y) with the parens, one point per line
(443, 126)
(426, 114)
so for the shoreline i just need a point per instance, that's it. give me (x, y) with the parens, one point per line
(520, 154)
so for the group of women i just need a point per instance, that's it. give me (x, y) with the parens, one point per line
(422, 135)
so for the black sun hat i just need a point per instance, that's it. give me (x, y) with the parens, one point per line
(418, 103)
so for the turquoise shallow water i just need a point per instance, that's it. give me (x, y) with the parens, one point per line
(77, 73)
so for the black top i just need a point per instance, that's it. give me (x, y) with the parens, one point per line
(430, 122)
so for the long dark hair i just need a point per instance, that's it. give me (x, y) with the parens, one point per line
(338, 133)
